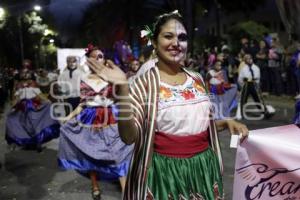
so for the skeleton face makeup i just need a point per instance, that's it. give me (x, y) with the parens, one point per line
(171, 44)
(98, 55)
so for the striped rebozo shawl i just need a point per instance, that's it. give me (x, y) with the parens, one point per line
(144, 94)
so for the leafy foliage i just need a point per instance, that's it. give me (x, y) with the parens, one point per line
(21, 21)
(248, 29)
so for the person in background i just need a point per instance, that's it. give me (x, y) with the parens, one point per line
(148, 64)
(249, 79)
(212, 57)
(262, 62)
(30, 123)
(43, 81)
(232, 65)
(274, 64)
(268, 40)
(3, 89)
(53, 75)
(10, 83)
(224, 93)
(69, 82)
(253, 48)
(5, 81)
(295, 65)
(134, 66)
(242, 63)
(245, 45)
(296, 119)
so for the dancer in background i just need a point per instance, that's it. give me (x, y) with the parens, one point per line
(134, 66)
(224, 94)
(43, 81)
(30, 122)
(90, 141)
(174, 157)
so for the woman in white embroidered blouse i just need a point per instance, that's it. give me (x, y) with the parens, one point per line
(183, 164)
(89, 140)
(30, 123)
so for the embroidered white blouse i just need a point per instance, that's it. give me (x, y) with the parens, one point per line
(27, 92)
(183, 109)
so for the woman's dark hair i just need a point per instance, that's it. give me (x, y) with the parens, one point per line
(164, 18)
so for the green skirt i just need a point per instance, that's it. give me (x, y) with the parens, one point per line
(197, 177)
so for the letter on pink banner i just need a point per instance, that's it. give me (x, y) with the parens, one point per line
(268, 165)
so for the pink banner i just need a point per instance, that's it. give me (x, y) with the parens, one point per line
(268, 165)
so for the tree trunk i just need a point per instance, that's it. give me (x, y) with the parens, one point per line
(289, 12)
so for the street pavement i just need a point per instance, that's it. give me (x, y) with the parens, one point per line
(29, 175)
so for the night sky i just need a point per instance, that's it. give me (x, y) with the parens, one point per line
(68, 13)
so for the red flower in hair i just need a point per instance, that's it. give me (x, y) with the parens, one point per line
(131, 58)
(90, 47)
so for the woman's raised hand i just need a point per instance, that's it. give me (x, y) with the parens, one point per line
(108, 71)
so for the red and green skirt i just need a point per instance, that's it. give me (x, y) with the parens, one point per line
(193, 178)
(196, 178)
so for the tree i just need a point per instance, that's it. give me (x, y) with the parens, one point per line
(249, 29)
(219, 7)
(22, 27)
(289, 12)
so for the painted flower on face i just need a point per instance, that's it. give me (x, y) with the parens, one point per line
(198, 87)
(165, 93)
(187, 94)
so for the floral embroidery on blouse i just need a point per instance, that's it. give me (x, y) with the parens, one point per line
(187, 94)
(190, 90)
(199, 87)
(165, 93)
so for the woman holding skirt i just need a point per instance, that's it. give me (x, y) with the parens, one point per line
(30, 123)
(90, 141)
(224, 97)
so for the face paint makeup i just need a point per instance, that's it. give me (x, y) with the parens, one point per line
(172, 42)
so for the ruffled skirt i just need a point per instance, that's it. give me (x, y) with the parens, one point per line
(224, 103)
(195, 178)
(30, 123)
(85, 148)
